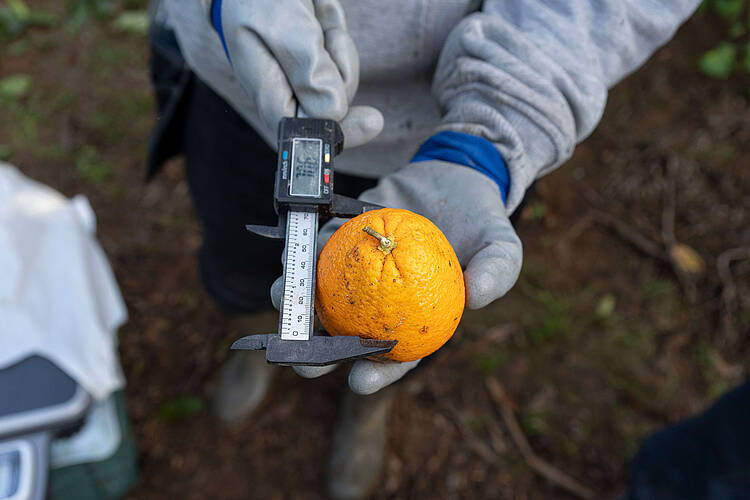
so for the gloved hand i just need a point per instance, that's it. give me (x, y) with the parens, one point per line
(281, 52)
(467, 206)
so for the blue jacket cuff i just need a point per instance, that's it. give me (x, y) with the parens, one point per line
(470, 151)
(216, 21)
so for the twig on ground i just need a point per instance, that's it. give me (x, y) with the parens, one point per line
(629, 234)
(669, 209)
(687, 283)
(590, 195)
(615, 223)
(729, 290)
(668, 250)
(579, 227)
(563, 245)
(505, 406)
(497, 441)
(669, 240)
(730, 372)
(475, 444)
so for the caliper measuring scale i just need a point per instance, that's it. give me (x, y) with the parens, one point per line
(303, 193)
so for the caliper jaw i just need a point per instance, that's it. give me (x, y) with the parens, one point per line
(277, 232)
(319, 350)
(341, 206)
(344, 206)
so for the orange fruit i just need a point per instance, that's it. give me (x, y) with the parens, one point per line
(408, 287)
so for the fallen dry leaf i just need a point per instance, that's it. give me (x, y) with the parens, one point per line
(687, 259)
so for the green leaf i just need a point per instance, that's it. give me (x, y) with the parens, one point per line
(180, 408)
(20, 9)
(81, 11)
(19, 47)
(729, 9)
(134, 4)
(14, 86)
(606, 306)
(5, 152)
(719, 61)
(10, 24)
(490, 362)
(90, 165)
(538, 210)
(746, 59)
(41, 19)
(135, 22)
(737, 30)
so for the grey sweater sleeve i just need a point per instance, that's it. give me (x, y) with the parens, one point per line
(532, 76)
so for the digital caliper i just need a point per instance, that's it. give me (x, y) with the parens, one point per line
(303, 192)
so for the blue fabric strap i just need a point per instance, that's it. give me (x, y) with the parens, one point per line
(216, 21)
(468, 150)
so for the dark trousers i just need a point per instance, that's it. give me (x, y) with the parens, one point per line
(230, 171)
(704, 458)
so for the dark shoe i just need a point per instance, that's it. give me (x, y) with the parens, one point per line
(358, 446)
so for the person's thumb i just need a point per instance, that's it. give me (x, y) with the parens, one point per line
(494, 269)
(361, 125)
(368, 377)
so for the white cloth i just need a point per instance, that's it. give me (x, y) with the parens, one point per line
(58, 295)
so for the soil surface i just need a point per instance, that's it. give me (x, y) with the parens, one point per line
(607, 337)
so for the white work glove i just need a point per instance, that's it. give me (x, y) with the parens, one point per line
(281, 52)
(466, 205)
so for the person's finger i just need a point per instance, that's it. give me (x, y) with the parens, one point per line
(494, 269)
(361, 125)
(314, 371)
(339, 43)
(368, 377)
(277, 290)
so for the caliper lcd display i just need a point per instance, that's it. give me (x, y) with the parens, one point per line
(306, 164)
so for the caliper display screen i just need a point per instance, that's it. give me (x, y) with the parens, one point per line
(306, 164)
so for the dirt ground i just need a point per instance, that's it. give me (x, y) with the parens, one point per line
(607, 336)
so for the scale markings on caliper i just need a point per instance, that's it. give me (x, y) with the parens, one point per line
(304, 192)
(298, 298)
